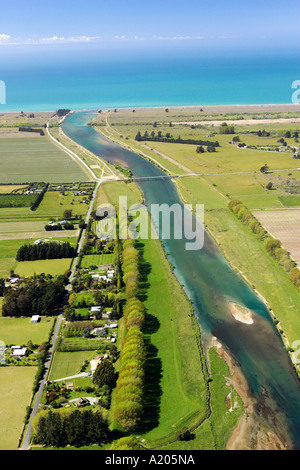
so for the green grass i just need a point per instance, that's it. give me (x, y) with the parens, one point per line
(30, 159)
(15, 391)
(66, 364)
(18, 331)
(48, 266)
(97, 260)
(219, 426)
(290, 201)
(54, 204)
(180, 392)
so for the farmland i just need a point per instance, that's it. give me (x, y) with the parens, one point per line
(285, 226)
(16, 391)
(20, 330)
(29, 159)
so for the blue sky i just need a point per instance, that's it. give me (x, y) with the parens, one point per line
(131, 23)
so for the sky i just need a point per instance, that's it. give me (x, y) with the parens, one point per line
(150, 24)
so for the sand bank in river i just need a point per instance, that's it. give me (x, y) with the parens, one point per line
(253, 431)
(241, 313)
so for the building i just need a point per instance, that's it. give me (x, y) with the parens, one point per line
(19, 352)
(94, 363)
(96, 309)
(35, 319)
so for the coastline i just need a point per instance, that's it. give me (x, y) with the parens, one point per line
(216, 108)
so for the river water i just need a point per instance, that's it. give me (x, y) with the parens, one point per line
(211, 284)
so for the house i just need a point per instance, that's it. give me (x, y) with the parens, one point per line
(35, 319)
(82, 402)
(113, 325)
(96, 309)
(96, 331)
(19, 352)
(94, 363)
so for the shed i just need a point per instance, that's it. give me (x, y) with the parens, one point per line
(35, 319)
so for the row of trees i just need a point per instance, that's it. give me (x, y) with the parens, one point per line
(39, 296)
(272, 245)
(31, 129)
(50, 250)
(173, 140)
(130, 384)
(75, 428)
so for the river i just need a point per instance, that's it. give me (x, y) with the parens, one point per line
(211, 284)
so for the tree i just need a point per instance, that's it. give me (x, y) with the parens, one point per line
(105, 374)
(264, 168)
(270, 185)
(67, 214)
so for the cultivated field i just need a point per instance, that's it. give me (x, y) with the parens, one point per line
(284, 225)
(30, 159)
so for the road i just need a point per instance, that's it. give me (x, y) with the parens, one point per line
(48, 362)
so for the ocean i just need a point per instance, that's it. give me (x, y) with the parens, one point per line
(38, 81)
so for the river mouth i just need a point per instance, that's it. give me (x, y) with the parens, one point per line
(225, 306)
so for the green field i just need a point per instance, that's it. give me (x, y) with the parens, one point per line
(66, 364)
(97, 260)
(18, 331)
(33, 159)
(54, 204)
(15, 391)
(47, 266)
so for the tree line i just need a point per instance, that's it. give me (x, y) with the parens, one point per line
(173, 140)
(39, 296)
(31, 129)
(50, 250)
(75, 428)
(128, 409)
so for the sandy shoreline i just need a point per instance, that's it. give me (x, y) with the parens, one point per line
(252, 431)
(219, 108)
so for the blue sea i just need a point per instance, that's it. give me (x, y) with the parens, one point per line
(98, 79)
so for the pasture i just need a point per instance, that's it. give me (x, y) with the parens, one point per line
(47, 266)
(15, 391)
(18, 331)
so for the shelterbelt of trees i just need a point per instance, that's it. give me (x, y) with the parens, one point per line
(173, 140)
(130, 383)
(49, 250)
